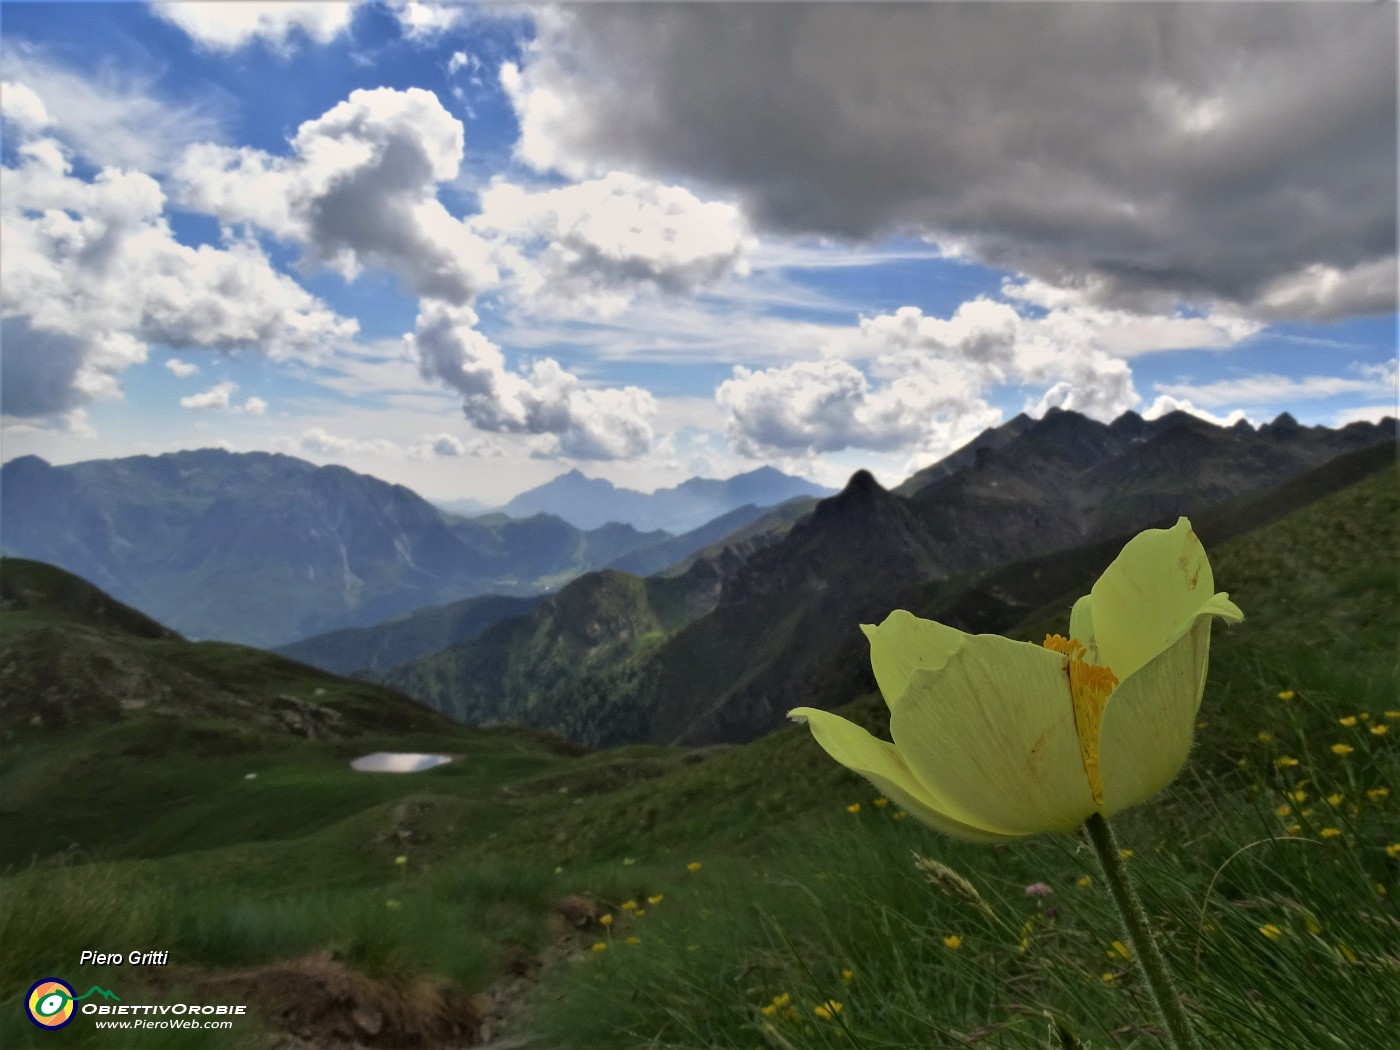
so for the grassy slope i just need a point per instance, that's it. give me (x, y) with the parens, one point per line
(793, 889)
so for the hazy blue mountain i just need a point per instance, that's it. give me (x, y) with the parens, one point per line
(265, 549)
(406, 637)
(779, 620)
(590, 502)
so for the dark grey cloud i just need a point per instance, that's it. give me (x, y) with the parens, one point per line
(1145, 153)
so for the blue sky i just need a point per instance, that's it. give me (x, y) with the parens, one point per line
(468, 248)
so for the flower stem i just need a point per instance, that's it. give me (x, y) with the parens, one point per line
(1139, 930)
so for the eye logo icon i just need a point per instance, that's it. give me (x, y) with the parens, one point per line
(50, 1003)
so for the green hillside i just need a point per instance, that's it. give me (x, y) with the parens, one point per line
(744, 886)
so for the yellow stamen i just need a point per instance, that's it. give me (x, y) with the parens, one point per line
(1090, 686)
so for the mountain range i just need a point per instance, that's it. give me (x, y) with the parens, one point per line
(590, 502)
(265, 549)
(609, 660)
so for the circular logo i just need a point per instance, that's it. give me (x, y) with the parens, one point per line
(50, 1003)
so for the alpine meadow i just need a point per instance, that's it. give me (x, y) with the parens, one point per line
(699, 526)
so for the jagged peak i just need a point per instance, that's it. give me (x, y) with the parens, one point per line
(862, 481)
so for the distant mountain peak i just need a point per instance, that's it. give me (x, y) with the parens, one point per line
(592, 502)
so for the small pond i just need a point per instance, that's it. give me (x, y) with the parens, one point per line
(397, 762)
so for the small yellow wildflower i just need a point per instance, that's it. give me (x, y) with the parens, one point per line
(881, 802)
(1348, 721)
(1285, 762)
(779, 1001)
(634, 939)
(1376, 794)
(1365, 717)
(400, 860)
(1287, 694)
(1342, 749)
(1026, 928)
(1347, 953)
(627, 862)
(657, 899)
(1084, 881)
(1293, 829)
(768, 1011)
(1265, 737)
(1335, 799)
(628, 905)
(899, 814)
(1284, 810)
(1119, 950)
(393, 905)
(1109, 978)
(1298, 796)
(952, 942)
(827, 1010)
(1312, 925)
(600, 946)
(1380, 730)
(1271, 931)
(1380, 888)
(639, 912)
(854, 807)
(1330, 833)
(606, 920)
(693, 866)
(1392, 715)
(847, 976)
(1125, 853)
(1393, 850)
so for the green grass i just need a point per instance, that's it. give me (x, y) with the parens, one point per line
(1265, 865)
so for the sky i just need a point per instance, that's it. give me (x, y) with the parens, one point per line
(468, 248)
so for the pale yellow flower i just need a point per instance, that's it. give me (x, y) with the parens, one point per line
(997, 740)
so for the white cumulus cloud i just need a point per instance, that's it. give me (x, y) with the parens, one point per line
(94, 276)
(232, 24)
(218, 396)
(23, 108)
(594, 245)
(544, 399)
(181, 369)
(359, 188)
(425, 21)
(923, 385)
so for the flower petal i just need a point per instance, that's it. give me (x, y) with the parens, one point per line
(902, 645)
(1148, 722)
(1149, 595)
(992, 736)
(1081, 626)
(880, 763)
